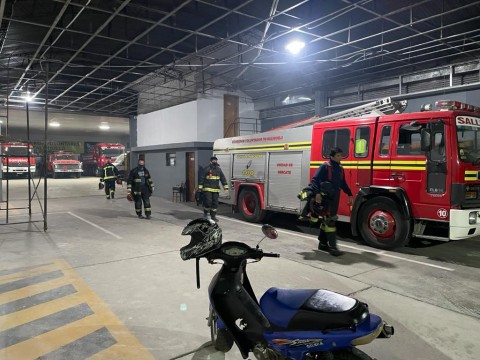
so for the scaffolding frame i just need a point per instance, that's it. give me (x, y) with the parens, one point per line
(33, 187)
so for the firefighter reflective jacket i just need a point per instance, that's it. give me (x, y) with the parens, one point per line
(210, 177)
(134, 182)
(110, 172)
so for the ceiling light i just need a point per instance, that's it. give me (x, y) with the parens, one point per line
(104, 126)
(54, 124)
(295, 46)
(27, 96)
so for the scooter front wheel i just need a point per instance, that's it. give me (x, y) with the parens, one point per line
(222, 340)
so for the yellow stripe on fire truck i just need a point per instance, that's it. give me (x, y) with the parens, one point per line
(282, 146)
(378, 165)
(471, 175)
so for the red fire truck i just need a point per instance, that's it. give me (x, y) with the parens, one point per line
(16, 157)
(64, 163)
(98, 155)
(412, 174)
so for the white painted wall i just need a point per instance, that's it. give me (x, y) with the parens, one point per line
(168, 126)
(200, 120)
(210, 117)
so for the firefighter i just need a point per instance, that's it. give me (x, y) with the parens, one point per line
(141, 184)
(208, 185)
(109, 177)
(332, 172)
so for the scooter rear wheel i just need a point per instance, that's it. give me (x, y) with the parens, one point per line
(222, 340)
(348, 354)
(351, 354)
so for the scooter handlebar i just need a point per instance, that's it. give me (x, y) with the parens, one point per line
(271, 255)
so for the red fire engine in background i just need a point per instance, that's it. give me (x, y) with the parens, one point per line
(412, 174)
(63, 163)
(16, 157)
(97, 157)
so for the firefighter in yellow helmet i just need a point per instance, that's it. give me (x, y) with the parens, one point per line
(208, 184)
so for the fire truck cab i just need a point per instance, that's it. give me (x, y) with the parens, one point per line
(412, 174)
(99, 154)
(16, 158)
(64, 163)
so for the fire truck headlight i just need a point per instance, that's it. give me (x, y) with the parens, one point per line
(472, 217)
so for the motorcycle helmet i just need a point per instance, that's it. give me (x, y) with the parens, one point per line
(205, 235)
(129, 197)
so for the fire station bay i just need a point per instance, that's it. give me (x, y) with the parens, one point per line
(249, 158)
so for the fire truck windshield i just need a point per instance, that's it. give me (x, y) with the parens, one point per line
(111, 152)
(16, 151)
(66, 157)
(468, 138)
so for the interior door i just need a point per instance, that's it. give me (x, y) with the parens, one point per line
(231, 126)
(190, 176)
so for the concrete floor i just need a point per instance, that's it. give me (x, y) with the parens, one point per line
(102, 284)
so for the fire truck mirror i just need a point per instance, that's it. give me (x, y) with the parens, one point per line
(425, 140)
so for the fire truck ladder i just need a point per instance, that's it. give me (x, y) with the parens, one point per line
(380, 107)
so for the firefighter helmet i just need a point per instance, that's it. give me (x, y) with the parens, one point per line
(100, 185)
(129, 197)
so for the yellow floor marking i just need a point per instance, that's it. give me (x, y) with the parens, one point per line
(28, 273)
(43, 344)
(39, 311)
(32, 290)
(112, 323)
(121, 352)
(128, 346)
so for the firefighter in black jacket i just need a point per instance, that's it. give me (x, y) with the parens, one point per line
(141, 185)
(109, 177)
(208, 184)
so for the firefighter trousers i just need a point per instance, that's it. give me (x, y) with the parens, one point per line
(328, 232)
(210, 203)
(144, 197)
(110, 188)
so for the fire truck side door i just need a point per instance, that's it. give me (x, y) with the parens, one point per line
(382, 156)
(362, 150)
(408, 161)
(436, 160)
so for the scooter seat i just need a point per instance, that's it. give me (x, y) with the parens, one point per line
(311, 309)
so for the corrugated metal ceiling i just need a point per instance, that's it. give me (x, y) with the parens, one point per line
(116, 57)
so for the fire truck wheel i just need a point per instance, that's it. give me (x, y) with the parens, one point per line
(382, 224)
(249, 206)
(54, 175)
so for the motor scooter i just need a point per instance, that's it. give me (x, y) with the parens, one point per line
(295, 324)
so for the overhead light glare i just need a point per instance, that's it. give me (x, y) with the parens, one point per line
(27, 96)
(295, 46)
(104, 126)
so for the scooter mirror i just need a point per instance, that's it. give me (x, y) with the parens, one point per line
(269, 231)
